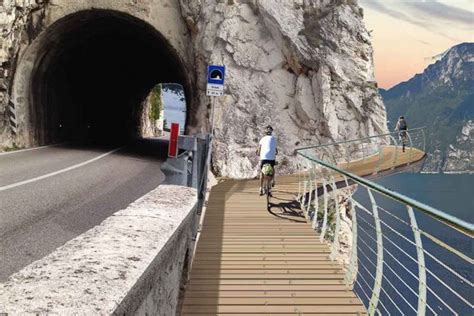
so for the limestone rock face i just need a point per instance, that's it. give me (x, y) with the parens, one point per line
(305, 67)
(460, 156)
(18, 21)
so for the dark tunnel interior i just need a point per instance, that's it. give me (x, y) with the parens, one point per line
(92, 73)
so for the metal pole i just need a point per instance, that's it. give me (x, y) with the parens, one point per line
(374, 300)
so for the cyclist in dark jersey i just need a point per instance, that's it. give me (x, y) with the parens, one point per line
(402, 129)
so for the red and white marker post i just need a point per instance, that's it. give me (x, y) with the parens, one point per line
(173, 145)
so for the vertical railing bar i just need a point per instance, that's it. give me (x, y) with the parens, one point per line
(421, 264)
(379, 270)
(363, 152)
(424, 140)
(347, 158)
(310, 193)
(314, 223)
(411, 147)
(335, 243)
(353, 267)
(379, 161)
(303, 198)
(325, 215)
(396, 152)
(299, 182)
(388, 296)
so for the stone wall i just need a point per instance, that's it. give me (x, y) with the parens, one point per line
(132, 263)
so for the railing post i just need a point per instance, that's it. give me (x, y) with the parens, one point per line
(374, 300)
(421, 264)
(310, 192)
(325, 215)
(352, 268)
(396, 152)
(379, 161)
(424, 140)
(335, 243)
(411, 148)
(363, 152)
(303, 198)
(299, 182)
(314, 222)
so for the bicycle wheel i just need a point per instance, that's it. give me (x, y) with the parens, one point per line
(268, 187)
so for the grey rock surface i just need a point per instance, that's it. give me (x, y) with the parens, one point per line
(304, 67)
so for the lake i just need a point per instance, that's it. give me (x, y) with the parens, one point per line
(451, 193)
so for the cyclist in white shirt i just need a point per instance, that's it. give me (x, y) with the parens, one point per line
(267, 150)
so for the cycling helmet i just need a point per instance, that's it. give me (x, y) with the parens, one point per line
(268, 130)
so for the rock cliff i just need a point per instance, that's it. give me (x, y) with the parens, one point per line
(19, 20)
(304, 67)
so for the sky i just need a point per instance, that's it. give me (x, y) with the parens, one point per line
(174, 110)
(407, 34)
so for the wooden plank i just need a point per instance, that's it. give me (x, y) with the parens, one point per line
(249, 261)
(268, 287)
(246, 300)
(223, 271)
(273, 309)
(273, 294)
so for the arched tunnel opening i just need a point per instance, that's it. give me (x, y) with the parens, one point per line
(92, 72)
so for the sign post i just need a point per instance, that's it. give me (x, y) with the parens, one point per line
(215, 88)
(215, 80)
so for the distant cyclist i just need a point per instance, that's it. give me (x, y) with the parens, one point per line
(402, 129)
(267, 150)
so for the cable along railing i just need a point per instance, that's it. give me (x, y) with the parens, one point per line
(402, 257)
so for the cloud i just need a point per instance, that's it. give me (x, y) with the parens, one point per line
(424, 14)
(437, 10)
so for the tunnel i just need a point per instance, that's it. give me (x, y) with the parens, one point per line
(92, 71)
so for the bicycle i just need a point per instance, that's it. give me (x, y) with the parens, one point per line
(403, 135)
(267, 174)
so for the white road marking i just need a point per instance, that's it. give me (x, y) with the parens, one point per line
(17, 184)
(28, 149)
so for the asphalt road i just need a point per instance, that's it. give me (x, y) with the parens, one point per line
(51, 195)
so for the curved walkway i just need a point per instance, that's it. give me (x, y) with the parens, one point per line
(255, 260)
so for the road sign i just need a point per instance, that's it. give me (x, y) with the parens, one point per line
(215, 80)
(173, 145)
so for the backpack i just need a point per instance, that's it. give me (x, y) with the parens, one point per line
(403, 125)
(267, 169)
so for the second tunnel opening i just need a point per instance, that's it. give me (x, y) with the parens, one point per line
(92, 72)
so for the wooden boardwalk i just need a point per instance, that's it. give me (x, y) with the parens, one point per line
(255, 260)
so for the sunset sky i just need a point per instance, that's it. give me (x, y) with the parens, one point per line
(406, 34)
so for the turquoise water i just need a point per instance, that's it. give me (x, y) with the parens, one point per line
(451, 193)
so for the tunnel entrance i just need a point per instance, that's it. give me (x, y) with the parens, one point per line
(92, 71)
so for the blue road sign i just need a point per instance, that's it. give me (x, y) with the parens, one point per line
(215, 74)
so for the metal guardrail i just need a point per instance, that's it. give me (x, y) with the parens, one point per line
(404, 257)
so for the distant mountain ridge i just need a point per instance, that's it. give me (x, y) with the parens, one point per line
(442, 99)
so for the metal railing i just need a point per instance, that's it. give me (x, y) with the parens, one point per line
(401, 256)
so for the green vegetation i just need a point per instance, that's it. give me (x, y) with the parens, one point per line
(156, 103)
(13, 147)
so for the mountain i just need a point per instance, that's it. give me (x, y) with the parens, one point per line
(442, 99)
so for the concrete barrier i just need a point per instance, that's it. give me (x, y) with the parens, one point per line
(131, 263)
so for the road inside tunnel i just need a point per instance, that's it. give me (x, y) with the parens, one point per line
(92, 72)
